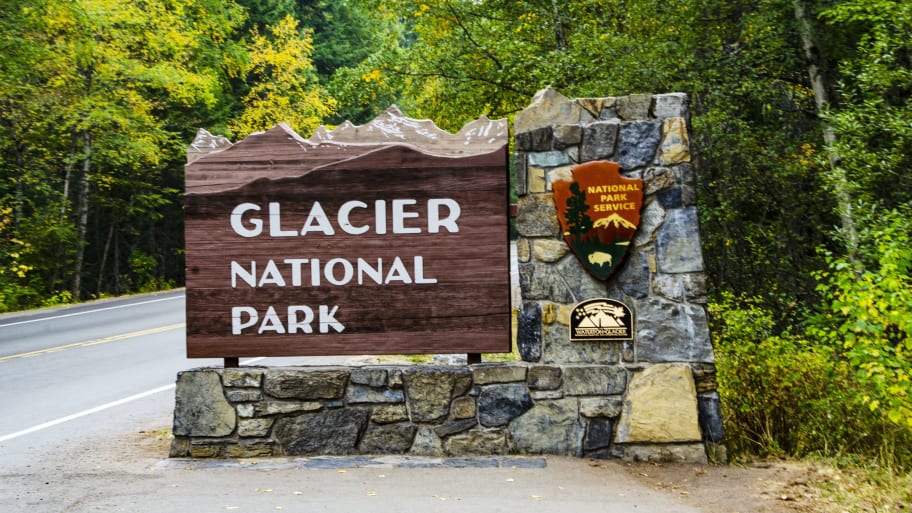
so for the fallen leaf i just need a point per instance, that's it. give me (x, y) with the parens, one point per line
(537, 497)
(343, 471)
(297, 493)
(371, 493)
(510, 480)
(232, 507)
(264, 490)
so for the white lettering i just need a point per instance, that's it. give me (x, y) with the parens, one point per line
(275, 223)
(271, 322)
(304, 325)
(271, 276)
(347, 271)
(442, 214)
(317, 221)
(419, 272)
(344, 222)
(374, 273)
(398, 272)
(237, 315)
(448, 222)
(237, 222)
(328, 320)
(400, 215)
(380, 208)
(295, 264)
(237, 271)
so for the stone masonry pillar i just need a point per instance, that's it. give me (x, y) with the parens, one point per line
(670, 407)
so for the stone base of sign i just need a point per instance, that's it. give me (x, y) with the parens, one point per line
(436, 410)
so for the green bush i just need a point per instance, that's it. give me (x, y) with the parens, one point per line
(785, 394)
(869, 316)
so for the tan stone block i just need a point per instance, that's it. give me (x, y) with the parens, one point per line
(523, 250)
(536, 180)
(549, 250)
(463, 408)
(563, 314)
(390, 413)
(549, 313)
(593, 105)
(660, 407)
(564, 173)
(675, 146)
(548, 108)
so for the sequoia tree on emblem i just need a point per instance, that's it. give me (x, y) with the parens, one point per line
(599, 212)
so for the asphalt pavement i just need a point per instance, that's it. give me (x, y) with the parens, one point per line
(119, 470)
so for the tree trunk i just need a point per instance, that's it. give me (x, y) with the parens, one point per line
(82, 216)
(104, 257)
(71, 162)
(822, 102)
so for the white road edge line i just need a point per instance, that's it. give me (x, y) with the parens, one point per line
(97, 409)
(90, 311)
(83, 413)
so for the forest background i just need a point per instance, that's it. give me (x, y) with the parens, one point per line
(802, 127)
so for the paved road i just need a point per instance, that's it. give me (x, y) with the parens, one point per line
(87, 402)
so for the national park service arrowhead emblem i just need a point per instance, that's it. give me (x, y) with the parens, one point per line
(599, 212)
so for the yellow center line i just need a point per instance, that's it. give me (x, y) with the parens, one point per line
(95, 342)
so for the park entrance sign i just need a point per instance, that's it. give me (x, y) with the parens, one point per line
(385, 238)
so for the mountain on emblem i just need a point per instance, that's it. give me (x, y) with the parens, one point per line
(599, 212)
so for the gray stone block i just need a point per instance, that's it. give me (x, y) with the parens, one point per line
(551, 427)
(673, 105)
(678, 242)
(388, 438)
(634, 106)
(552, 158)
(369, 376)
(594, 380)
(711, 425)
(499, 404)
(638, 142)
(357, 394)
(430, 390)
(529, 332)
(323, 432)
(567, 135)
(306, 384)
(545, 377)
(667, 331)
(599, 140)
(598, 434)
(200, 407)
(536, 216)
(538, 139)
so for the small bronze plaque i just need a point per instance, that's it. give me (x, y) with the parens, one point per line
(601, 319)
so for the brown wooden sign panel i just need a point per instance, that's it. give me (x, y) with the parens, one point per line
(295, 248)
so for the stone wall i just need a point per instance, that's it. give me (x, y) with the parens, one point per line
(662, 278)
(653, 398)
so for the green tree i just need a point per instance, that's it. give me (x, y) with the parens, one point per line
(284, 83)
(108, 72)
(578, 221)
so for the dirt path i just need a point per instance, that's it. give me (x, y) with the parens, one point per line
(761, 487)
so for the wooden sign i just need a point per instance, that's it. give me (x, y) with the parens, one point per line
(599, 212)
(332, 247)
